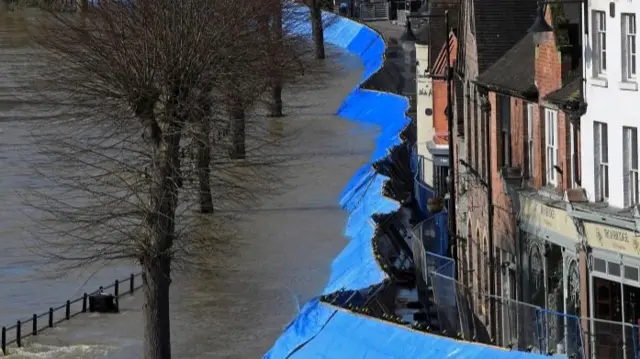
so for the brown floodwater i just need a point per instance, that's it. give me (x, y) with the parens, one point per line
(280, 258)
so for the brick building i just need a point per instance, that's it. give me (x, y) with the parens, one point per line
(529, 107)
(487, 30)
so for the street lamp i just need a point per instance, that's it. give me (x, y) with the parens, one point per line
(540, 27)
(408, 35)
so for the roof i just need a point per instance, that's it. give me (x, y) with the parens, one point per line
(566, 95)
(514, 72)
(499, 25)
(433, 30)
(440, 63)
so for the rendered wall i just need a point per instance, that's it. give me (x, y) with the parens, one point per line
(322, 330)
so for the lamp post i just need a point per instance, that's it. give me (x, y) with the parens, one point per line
(408, 35)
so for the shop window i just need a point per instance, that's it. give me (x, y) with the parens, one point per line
(599, 265)
(614, 269)
(631, 273)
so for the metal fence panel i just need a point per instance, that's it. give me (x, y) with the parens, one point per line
(520, 325)
(374, 11)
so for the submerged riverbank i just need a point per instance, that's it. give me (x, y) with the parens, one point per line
(280, 258)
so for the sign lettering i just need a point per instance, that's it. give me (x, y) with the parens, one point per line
(611, 238)
(425, 92)
(616, 235)
(542, 216)
(547, 212)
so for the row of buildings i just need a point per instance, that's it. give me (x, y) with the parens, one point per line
(545, 164)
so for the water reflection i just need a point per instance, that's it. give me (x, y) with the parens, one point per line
(235, 309)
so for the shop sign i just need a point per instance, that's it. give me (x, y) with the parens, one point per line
(612, 238)
(556, 220)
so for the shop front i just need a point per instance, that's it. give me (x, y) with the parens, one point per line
(550, 248)
(614, 294)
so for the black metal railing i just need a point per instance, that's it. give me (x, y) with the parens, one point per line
(38, 323)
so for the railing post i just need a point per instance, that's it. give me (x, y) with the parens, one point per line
(4, 341)
(67, 311)
(19, 334)
(50, 317)
(131, 283)
(84, 303)
(34, 323)
(116, 289)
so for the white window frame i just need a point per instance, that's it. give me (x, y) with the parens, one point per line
(628, 47)
(530, 148)
(599, 43)
(551, 141)
(572, 153)
(601, 131)
(630, 153)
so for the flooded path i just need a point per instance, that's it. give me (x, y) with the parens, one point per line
(282, 256)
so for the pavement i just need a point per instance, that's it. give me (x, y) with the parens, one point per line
(387, 28)
(394, 76)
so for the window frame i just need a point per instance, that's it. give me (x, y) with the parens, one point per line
(530, 148)
(504, 121)
(601, 165)
(551, 145)
(599, 43)
(632, 172)
(572, 155)
(440, 184)
(628, 46)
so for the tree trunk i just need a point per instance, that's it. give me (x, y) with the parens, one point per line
(159, 225)
(203, 154)
(317, 28)
(238, 150)
(275, 107)
(157, 326)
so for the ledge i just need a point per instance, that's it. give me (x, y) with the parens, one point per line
(628, 86)
(599, 82)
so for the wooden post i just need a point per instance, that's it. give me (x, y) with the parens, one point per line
(4, 341)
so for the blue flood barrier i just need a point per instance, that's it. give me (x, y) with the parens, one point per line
(330, 332)
(322, 330)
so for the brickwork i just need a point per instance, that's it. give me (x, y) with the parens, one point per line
(548, 70)
(548, 77)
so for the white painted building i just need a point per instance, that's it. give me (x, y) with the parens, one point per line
(424, 105)
(609, 130)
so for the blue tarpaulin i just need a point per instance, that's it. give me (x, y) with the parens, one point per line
(322, 330)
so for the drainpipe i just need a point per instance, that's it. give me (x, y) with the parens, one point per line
(486, 110)
(453, 230)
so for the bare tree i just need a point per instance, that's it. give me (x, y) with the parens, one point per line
(275, 108)
(139, 80)
(317, 27)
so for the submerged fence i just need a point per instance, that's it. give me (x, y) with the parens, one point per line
(38, 323)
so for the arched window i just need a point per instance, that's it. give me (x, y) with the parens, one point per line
(536, 275)
(573, 284)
